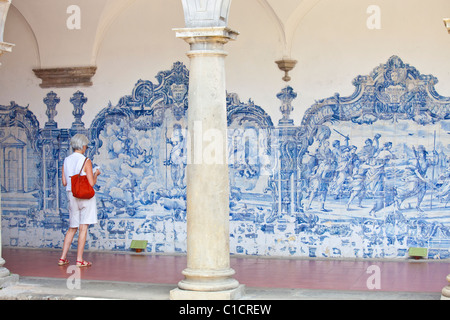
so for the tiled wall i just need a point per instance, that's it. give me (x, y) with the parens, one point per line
(363, 176)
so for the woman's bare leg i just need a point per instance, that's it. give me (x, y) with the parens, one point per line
(68, 241)
(81, 241)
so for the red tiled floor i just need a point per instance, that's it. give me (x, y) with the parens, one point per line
(411, 276)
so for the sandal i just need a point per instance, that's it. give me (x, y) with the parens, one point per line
(82, 264)
(63, 262)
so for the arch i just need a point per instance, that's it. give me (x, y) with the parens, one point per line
(276, 19)
(19, 13)
(109, 15)
(287, 29)
(295, 19)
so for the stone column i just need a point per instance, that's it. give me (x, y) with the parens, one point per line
(4, 7)
(6, 278)
(446, 291)
(208, 275)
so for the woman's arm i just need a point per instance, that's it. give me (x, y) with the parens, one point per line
(64, 181)
(91, 176)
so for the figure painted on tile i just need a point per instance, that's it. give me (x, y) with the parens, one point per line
(345, 162)
(415, 181)
(357, 184)
(370, 150)
(323, 174)
(444, 186)
(177, 158)
(376, 178)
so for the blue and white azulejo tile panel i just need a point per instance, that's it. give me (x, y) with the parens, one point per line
(363, 176)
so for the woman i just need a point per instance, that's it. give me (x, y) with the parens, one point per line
(82, 212)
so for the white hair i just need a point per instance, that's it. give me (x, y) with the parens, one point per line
(78, 141)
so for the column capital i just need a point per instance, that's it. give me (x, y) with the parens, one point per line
(5, 47)
(207, 34)
(206, 41)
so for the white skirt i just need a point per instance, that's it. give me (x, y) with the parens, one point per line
(81, 211)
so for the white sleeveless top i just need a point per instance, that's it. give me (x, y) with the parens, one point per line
(72, 166)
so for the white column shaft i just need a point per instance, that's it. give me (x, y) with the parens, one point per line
(208, 253)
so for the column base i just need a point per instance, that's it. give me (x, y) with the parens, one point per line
(208, 280)
(445, 293)
(7, 279)
(235, 294)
